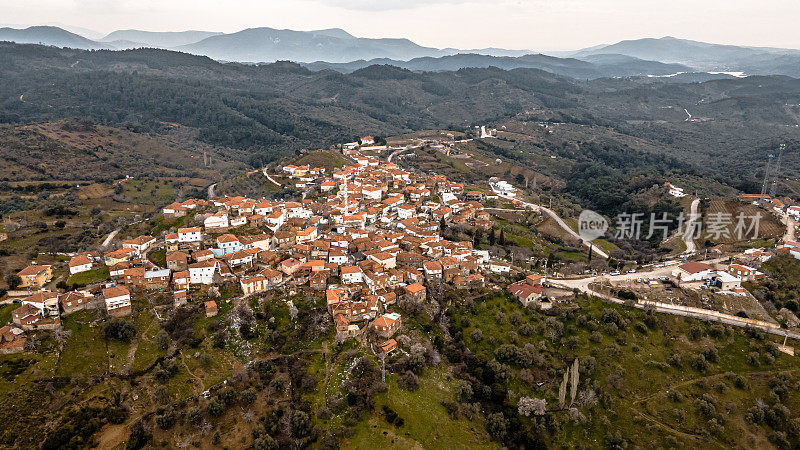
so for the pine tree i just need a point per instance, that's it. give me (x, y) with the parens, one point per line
(573, 388)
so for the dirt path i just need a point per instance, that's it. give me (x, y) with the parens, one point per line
(112, 436)
(189, 371)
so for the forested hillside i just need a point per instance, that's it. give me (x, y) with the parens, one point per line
(724, 127)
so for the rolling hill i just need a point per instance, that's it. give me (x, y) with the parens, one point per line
(334, 45)
(156, 39)
(703, 56)
(48, 35)
(597, 67)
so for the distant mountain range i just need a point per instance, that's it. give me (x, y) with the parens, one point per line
(595, 67)
(167, 40)
(338, 50)
(49, 35)
(705, 57)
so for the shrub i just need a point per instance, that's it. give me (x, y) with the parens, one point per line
(119, 329)
(215, 408)
(699, 363)
(165, 418)
(409, 381)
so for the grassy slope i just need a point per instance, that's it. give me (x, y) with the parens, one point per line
(638, 408)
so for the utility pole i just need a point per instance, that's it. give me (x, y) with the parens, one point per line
(776, 171)
(766, 180)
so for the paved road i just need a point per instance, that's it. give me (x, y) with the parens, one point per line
(270, 178)
(790, 226)
(688, 236)
(560, 223)
(110, 236)
(401, 150)
(211, 191)
(582, 284)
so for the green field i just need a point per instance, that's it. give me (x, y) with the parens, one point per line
(426, 422)
(85, 349)
(5, 313)
(90, 276)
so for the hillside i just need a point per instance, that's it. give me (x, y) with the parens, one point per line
(272, 110)
(619, 66)
(81, 150)
(48, 35)
(268, 45)
(703, 56)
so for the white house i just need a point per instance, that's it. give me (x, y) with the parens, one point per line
(499, 267)
(190, 235)
(227, 243)
(693, 271)
(351, 275)
(217, 220)
(275, 220)
(80, 263)
(118, 300)
(504, 188)
(139, 244)
(203, 272)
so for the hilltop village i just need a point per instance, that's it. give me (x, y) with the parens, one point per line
(368, 237)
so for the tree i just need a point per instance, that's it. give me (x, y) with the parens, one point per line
(162, 340)
(497, 426)
(502, 239)
(535, 406)
(165, 418)
(492, 238)
(13, 281)
(119, 329)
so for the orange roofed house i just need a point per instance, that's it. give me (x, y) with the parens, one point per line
(35, 276)
(118, 301)
(387, 324)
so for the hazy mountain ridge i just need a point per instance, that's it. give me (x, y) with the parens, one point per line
(49, 35)
(155, 39)
(704, 56)
(337, 49)
(620, 66)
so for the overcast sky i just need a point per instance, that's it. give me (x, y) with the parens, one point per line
(515, 24)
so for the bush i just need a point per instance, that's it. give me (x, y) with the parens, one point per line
(119, 329)
(699, 363)
(409, 381)
(497, 426)
(165, 418)
(215, 408)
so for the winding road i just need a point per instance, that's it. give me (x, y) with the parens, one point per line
(582, 284)
(688, 236)
(561, 223)
(211, 191)
(270, 178)
(110, 237)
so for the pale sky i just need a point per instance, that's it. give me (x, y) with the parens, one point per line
(514, 24)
